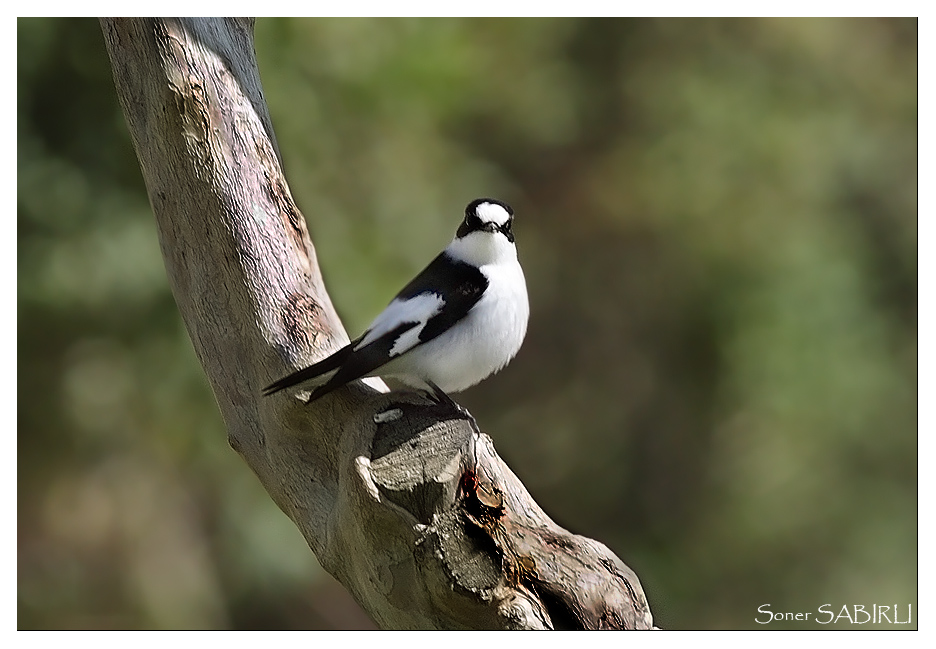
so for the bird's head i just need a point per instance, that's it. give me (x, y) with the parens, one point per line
(486, 235)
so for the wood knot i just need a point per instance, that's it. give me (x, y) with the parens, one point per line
(483, 502)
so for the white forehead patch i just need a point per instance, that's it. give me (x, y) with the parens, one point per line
(492, 213)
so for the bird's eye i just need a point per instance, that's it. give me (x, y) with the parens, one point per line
(507, 226)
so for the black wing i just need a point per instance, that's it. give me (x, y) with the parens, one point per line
(460, 286)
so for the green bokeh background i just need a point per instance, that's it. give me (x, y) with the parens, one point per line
(718, 223)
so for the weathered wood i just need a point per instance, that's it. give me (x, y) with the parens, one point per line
(402, 500)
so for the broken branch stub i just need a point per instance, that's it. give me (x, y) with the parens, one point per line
(478, 526)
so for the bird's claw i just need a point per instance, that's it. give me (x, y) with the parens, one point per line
(439, 397)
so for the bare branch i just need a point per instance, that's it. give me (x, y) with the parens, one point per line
(402, 500)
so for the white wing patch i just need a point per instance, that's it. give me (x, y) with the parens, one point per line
(407, 340)
(492, 213)
(419, 309)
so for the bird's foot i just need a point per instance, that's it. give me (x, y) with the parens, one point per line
(436, 394)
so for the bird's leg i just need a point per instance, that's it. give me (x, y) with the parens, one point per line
(437, 394)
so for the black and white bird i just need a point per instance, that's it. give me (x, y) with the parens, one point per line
(459, 321)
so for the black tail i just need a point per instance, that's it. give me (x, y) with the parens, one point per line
(322, 367)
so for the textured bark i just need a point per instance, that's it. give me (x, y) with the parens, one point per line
(402, 500)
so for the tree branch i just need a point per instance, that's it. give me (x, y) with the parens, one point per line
(401, 500)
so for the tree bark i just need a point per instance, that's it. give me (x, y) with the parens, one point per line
(402, 500)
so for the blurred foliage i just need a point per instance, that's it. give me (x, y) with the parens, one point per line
(718, 223)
